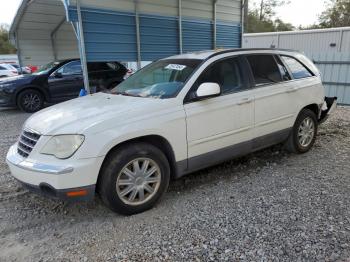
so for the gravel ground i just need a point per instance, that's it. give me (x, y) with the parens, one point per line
(268, 206)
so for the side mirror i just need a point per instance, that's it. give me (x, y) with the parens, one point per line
(206, 90)
(57, 75)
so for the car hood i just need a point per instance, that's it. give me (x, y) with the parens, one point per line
(85, 114)
(21, 79)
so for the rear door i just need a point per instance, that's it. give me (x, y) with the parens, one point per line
(221, 127)
(66, 82)
(275, 99)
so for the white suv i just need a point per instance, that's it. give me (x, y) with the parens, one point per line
(175, 116)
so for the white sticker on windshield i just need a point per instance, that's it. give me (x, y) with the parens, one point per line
(175, 67)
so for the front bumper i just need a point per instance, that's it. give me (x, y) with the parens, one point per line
(74, 180)
(7, 99)
(86, 193)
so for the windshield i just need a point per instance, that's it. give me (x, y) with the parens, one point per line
(161, 79)
(45, 68)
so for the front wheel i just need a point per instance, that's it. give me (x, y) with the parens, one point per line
(303, 134)
(30, 101)
(133, 178)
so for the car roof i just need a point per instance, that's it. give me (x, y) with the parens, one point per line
(8, 66)
(202, 55)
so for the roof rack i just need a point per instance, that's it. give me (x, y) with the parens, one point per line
(249, 49)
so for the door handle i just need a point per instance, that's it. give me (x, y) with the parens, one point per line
(246, 100)
(292, 89)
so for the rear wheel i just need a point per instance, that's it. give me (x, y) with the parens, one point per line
(304, 132)
(30, 101)
(134, 178)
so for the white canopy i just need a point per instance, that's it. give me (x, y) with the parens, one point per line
(41, 32)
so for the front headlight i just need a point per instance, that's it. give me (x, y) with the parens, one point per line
(5, 87)
(63, 146)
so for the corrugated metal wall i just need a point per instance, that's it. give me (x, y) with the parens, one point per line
(197, 35)
(335, 72)
(110, 29)
(160, 30)
(329, 48)
(66, 42)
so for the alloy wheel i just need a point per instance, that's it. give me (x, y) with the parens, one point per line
(306, 132)
(138, 181)
(31, 101)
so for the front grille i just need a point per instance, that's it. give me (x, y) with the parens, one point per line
(26, 143)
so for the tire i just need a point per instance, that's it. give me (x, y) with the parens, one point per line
(30, 101)
(295, 140)
(113, 182)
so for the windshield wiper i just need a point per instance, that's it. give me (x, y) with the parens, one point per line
(126, 94)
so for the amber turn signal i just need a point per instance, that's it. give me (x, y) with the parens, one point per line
(77, 193)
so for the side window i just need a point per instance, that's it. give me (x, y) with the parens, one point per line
(2, 68)
(298, 70)
(226, 73)
(283, 70)
(72, 68)
(265, 69)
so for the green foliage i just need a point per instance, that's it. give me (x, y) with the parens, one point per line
(266, 24)
(5, 46)
(336, 15)
(266, 8)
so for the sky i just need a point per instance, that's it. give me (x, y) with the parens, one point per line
(8, 10)
(298, 12)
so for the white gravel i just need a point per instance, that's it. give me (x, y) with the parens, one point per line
(268, 206)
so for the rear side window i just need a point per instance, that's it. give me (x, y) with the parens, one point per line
(298, 70)
(265, 69)
(283, 69)
(2, 68)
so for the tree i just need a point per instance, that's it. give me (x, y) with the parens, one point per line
(255, 25)
(282, 26)
(337, 14)
(5, 46)
(267, 8)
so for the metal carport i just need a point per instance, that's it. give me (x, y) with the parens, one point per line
(122, 30)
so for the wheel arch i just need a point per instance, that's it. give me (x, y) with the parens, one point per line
(156, 140)
(314, 108)
(45, 96)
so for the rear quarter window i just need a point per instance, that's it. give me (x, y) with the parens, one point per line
(297, 69)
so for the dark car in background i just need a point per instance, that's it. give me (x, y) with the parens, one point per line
(57, 82)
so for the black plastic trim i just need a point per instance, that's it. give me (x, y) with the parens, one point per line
(47, 190)
(221, 155)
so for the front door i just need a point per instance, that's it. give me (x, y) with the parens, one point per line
(66, 82)
(221, 127)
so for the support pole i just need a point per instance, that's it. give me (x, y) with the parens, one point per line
(341, 36)
(180, 27)
(82, 49)
(244, 22)
(138, 39)
(214, 25)
(20, 62)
